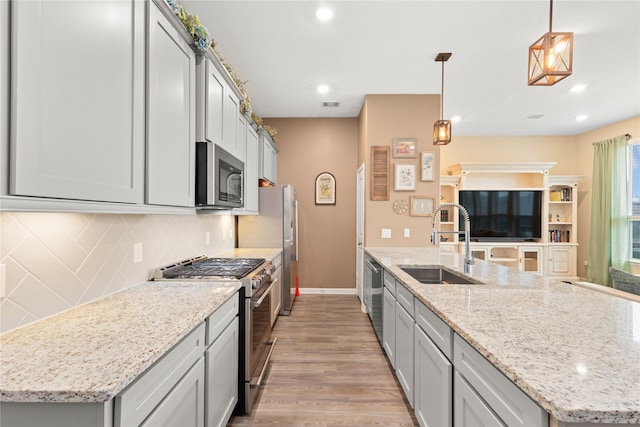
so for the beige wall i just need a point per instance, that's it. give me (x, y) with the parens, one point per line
(383, 118)
(560, 149)
(327, 232)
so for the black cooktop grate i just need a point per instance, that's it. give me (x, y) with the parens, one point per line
(236, 268)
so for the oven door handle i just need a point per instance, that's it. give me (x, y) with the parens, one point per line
(256, 304)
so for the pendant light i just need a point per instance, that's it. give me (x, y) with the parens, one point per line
(550, 57)
(442, 128)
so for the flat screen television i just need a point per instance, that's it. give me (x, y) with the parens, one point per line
(495, 215)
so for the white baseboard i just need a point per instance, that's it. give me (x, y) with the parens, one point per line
(327, 291)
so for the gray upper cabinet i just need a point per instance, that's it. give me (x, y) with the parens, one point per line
(219, 107)
(268, 169)
(77, 100)
(251, 206)
(171, 103)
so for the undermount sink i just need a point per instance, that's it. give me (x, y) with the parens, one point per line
(437, 275)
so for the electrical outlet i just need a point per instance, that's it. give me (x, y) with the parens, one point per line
(586, 263)
(207, 238)
(407, 232)
(3, 285)
(137, 253)
(386, 233)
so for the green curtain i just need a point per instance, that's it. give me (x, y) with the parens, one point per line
(609, 240)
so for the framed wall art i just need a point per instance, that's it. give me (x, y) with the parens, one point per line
(421, 206)
(404, 148)
(325, 189)
(427, 163)
(404, 177)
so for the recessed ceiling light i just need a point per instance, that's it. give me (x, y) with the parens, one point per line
(581, 118)
(323, 89)
(578, 88)
(456, 119)
(324, 14)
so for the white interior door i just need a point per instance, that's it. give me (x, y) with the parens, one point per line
(360, 232)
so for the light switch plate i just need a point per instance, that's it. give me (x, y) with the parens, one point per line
(407, 232)
(207, 238)
(386, 233)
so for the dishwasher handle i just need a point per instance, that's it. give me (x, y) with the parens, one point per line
(373, 266)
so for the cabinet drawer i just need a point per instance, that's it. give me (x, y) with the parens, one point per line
(510, 403)
(390, 283)
(435, 328)
(405, 298)
(218, 321)
(138, 400)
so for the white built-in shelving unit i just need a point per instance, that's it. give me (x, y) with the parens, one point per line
(555, 253)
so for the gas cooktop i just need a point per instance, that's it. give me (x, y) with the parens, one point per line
(202, 268)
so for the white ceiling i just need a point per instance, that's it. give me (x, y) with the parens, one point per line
(389, 47)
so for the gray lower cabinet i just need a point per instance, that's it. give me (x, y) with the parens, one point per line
(433, 383)
(156, 386)
(276, 291)
(503, 397)
(222, 358)
(404, 350)
(222, 376)
(389, 325)
(184, 404)
(470, 409)
(171, 104)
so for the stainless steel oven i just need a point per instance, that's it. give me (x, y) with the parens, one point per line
(256, 342)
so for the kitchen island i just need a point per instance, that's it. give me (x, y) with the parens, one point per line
(575, 352)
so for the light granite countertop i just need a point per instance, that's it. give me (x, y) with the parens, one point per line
(92, 352)
(574, 351)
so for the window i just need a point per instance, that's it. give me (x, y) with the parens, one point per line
(633, 156)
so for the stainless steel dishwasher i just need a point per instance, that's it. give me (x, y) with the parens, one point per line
(373, 293)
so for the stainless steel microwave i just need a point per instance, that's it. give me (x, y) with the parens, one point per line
(219, 178)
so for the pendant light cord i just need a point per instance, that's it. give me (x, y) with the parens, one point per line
(550, 14)
(442, 94)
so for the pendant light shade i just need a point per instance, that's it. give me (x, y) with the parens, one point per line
(442, 128)
(442, 132)
(550, 57)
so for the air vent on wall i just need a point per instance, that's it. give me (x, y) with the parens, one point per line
(536, 116)
(330, 104)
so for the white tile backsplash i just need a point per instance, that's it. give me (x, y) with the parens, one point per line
(58, 261)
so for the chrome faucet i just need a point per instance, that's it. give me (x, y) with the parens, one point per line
(467, 226)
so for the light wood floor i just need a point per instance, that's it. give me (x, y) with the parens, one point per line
(328, 370)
